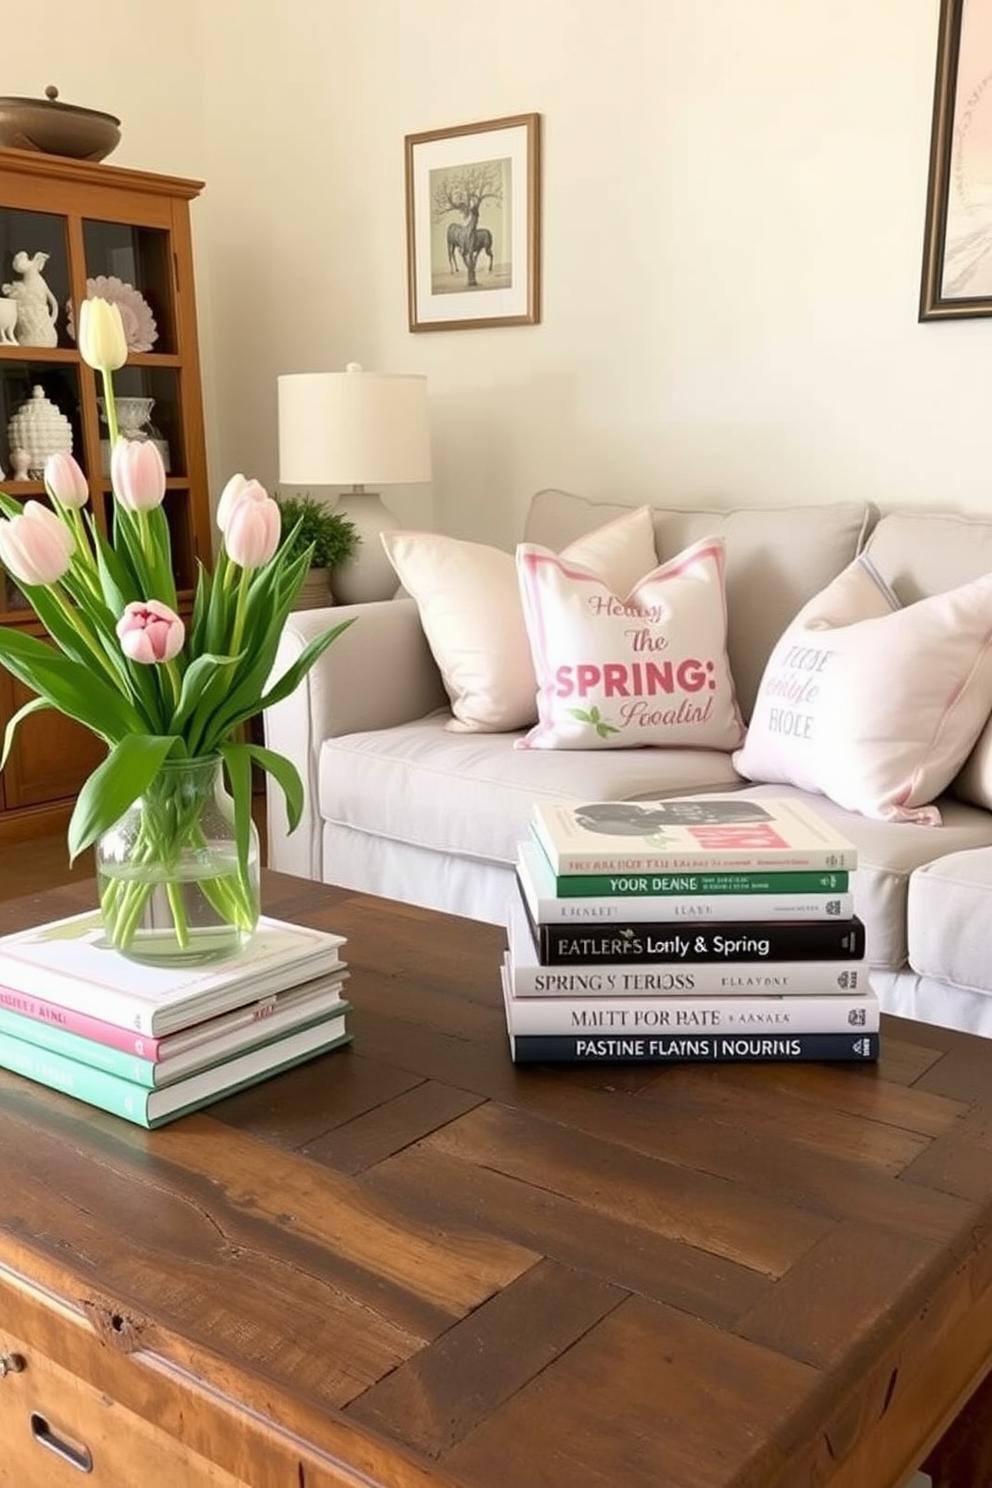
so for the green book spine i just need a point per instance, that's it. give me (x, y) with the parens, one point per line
(616, 885)
(75, 1046)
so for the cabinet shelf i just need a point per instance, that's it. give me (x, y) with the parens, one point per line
(132, 230)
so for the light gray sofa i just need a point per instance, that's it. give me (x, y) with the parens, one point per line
(398, 805)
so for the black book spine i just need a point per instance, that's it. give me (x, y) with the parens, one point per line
(685, 943)
(693, 1048)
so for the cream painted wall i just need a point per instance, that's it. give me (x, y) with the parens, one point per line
(732, 227)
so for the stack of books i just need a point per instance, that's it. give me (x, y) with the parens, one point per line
(151, 1043)
(710, 928)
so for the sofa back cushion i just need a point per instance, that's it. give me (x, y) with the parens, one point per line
(923, 553)
(777, 558)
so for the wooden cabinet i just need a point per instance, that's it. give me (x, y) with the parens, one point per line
(125, 234)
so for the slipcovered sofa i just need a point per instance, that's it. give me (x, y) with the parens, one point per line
(400, 805)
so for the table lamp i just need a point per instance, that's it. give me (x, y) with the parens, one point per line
(357, 429)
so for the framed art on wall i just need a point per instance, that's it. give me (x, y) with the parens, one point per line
(957, 252)
(472, 225)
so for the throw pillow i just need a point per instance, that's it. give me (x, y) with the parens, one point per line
(627, 669)
(469, 605)
(872, 706)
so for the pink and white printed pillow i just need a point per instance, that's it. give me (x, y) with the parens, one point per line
(874, 707)
(469, 605)
(625, 670)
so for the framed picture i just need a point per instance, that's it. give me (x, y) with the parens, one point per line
(957, 251)
(472, 231)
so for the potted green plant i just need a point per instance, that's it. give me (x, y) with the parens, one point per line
(333, 537)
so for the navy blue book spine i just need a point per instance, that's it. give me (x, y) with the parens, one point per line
(593, 1048)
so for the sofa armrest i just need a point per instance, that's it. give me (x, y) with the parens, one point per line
(379, 673)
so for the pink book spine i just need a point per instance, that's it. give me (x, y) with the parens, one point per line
(82, 1023)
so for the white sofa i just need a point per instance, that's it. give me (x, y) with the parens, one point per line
(398, 805)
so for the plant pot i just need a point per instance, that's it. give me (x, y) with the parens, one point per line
(171, 889)
(316, 592)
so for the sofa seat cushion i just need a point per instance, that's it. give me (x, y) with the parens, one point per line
(889, 853)
(471, 795)
(950, 909)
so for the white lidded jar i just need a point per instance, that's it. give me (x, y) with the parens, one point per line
(40, 428)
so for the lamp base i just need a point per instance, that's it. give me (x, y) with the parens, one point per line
(368, 574)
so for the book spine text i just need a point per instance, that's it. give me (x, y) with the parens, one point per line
(695, 1048)
(612, 885)
(563, 945)
(708, 979)
(750, 1016)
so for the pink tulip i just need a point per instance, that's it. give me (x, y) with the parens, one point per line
(254, 526)
(137, 474)
(66, 482)
(230, 494)
(150, 632)
(36, 547)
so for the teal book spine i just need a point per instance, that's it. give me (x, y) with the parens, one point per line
(98, 1088)
(150, 1108)
(74, 1046)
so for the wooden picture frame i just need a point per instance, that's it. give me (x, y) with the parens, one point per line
(472, 225)
(957, 252)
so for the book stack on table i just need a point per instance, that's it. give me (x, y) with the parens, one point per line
(151, 1043)
(704, 928)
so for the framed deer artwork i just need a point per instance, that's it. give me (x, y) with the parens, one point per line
(957, 251)
(472, 225)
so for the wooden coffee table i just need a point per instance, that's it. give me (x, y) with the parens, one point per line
(409, 1263)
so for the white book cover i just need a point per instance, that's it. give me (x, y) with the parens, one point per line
(538, 885)
(833, 1013)
(71, 962)
(708, 833)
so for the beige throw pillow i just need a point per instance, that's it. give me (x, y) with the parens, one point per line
(470, 609)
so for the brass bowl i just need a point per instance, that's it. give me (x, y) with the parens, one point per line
(57, 128)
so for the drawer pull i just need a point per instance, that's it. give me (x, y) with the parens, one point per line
(11, 1364)
(76, 1456)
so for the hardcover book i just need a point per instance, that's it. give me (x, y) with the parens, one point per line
(155, 1072)
(709, 834)
(661, 1046)
(829, 1048)
(547, 907)
(78, 968)
(155, 1107)
(724, 940)
(94, 1030)
(752, 977)
(834, 1013)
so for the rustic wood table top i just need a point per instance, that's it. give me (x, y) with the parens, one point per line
(420, 1265)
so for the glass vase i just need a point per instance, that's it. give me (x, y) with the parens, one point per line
(171, 889)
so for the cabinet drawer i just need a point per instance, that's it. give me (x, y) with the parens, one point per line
(59, 1432)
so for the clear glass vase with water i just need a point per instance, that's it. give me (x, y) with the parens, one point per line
(172, 891)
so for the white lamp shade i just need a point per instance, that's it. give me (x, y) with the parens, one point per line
(353, 428)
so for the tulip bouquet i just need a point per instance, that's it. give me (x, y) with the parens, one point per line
(159, 693)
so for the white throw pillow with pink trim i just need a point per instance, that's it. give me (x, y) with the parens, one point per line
(622, 670)
(874, 707)
(469, 605)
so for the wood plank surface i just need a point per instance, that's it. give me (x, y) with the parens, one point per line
(409, 1262)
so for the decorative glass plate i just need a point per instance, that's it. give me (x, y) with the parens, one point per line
(140, 330)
